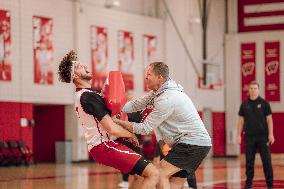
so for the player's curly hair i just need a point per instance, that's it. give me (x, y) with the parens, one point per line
(65, 67)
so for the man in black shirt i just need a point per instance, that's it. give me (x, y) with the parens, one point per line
(255, 117)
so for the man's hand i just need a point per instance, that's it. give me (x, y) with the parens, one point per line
(125, 124)
(271, 139)
(239, 139)
(166, 149)
(118, 116)
(115, 119)
(133, 140)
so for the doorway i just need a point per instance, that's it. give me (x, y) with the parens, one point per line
(49, 128)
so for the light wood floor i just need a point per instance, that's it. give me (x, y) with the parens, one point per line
(214, 173)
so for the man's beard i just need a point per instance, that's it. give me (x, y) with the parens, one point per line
(87, 77)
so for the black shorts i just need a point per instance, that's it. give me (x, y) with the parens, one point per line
(186, 157)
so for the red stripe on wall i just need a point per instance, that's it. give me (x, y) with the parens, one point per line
(261, 14)
(219, 133)
(262, 27)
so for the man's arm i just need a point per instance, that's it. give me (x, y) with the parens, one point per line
(138, 104)
(240, 128)
(269, 121)
(162, 110)
(158, 134)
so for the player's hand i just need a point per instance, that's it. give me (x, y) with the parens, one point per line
(271, 139)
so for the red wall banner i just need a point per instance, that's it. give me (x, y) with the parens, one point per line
(272, 71)
(99, 55)
(43, 50)
(126, 57)
(149, 51)
(5, 46)
(248, 65)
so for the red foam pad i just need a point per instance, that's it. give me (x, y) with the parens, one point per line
(114, 92)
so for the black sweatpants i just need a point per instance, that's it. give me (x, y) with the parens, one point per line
(252, 143)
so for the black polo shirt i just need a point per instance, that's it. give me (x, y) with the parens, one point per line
(254, 113)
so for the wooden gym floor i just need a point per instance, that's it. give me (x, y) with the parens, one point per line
(214, 173)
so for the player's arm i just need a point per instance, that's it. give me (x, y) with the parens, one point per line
(114, 129)
(94, 105)
(124, 124)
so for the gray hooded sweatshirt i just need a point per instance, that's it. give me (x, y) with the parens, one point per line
(174, 118)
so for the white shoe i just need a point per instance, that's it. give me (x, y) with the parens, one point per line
(185, 184)
(123, 184)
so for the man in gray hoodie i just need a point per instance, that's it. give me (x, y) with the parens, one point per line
(175, 121)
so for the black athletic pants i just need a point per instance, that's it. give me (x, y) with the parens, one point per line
(252, 143)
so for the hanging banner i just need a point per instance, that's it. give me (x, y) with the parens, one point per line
(99, 56)
(126, 57)
(5, 46)
(149, 52)
(248, 66)
(43, 50)
(272, 71)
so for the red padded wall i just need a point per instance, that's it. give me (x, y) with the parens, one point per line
(278, 120)
(10, 128)
(219, 134)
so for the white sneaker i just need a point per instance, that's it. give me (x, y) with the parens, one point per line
(123, 184)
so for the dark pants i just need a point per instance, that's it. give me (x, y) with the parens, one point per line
(252, 143)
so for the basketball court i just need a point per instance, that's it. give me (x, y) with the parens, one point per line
(214, 49)
(214, 173)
